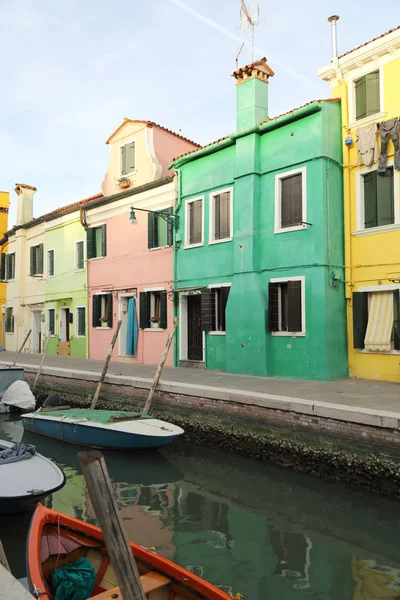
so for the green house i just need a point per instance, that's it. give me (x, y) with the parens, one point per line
(259, 247)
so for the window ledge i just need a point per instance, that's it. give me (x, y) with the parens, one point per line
(373, 230)
(287, 229)
(292, 334)
(367, 120)
(153, 329)
(96, 258)
(381, 352)
(9, 332)
(217, 333)
(80, 270)
(102, 328)
(220, 241)
(187, 247)
(159, 248)
(82, 337)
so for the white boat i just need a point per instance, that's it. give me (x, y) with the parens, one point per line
(24, 483)
(8, 375)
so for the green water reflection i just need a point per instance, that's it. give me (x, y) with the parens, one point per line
(265, 532)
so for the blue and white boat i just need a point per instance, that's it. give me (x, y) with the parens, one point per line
(102, 428)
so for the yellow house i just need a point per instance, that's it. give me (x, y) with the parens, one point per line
(367, 81)
(4, 206)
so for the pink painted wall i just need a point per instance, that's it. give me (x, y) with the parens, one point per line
(168, 146)
(130, 264)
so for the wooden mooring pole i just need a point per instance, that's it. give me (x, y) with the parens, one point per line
(22, 347)
(160, 366)
(41, 363)
(101, 494)
(105, 368)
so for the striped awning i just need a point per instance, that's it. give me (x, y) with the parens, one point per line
(380, 322)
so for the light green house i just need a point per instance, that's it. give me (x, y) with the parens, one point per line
(65, 309)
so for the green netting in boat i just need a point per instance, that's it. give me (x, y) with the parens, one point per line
(97, 416)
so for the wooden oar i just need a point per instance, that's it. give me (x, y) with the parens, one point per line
(101, 493)
(104, 373)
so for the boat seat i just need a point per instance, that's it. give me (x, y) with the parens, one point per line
(151, 581)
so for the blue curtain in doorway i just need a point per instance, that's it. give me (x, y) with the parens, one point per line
(133, 329)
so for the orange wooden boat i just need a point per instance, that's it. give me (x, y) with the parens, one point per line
(56, 539)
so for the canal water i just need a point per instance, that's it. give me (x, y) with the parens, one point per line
(268, 533)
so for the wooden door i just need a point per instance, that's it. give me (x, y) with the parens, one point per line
(195, 334)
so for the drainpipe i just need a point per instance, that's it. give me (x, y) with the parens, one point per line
(82, 218)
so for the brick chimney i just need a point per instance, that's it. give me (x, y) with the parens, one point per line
(252, 94)
(25, 202)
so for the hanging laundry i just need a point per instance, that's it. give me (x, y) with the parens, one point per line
(367, 144)
(389, 129)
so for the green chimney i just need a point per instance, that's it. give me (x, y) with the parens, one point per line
(252, 94)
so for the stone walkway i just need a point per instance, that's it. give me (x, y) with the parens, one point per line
(356, 393)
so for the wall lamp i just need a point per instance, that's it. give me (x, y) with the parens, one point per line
(171, 219)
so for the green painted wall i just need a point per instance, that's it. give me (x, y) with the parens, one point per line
(68, 287)
(256, 254)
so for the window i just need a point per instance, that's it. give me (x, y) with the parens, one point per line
(36, 266)
(9, 324)
(194, 222)
(213, 308)
(10, 266)
(286, 306)
(96, 242)
(50, 263)
(81, 321)
(378, 198)
(102, 310)
(159, 230)
(153, 309)
(290, 200)
(376, 320)
(51, 321)
(127, 158)
(79, 255)
(367, 95)
(221, 216)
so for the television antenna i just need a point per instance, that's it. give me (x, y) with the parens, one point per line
(249, 19)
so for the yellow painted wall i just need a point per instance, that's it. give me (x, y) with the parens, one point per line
(4, 206)
(372, 259)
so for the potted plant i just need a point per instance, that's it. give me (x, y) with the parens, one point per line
(124, 183)
(154, 322)
(103, 321)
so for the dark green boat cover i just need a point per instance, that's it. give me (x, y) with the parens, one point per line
(75, 581)
(97, 416)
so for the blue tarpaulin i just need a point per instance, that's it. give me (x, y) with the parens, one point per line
(19, 451)
(132, 330)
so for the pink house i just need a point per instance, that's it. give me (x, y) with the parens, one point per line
(130, 256)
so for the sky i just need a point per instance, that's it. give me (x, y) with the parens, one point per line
(72, 71)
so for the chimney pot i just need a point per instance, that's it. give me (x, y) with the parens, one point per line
(333, 20)
(25, 202)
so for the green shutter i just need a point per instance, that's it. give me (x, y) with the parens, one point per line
(32, 260)
(40, 265)
(360, 318)
(91, 243)
(104, 240)
(396, 321)
(4, 257)
(385, 197)
(372, 93)
(163, 310)
(109, 310)
(144, 310)
(151, 230)
(361, 98)
(81, 321)
(370, 200)
(130, 157)
(51, 322)
(123, 160)
(170, 227)
(7, 324)
(80, 258)
(273, 306)
(207, 310)
(96, 299)
(294, 306)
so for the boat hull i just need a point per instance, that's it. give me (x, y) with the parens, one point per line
(94, 436)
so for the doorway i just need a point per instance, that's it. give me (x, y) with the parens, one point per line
(36, 331)
(64, 324)
(124, 306)
(194, 332)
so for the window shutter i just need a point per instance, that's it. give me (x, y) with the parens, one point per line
(90, 243)
(361, 98)
(370, 200)
(123, 160)
(104, 240)
(144, 310)
(385, 197)
(396, 317)
(96, 310)
(3, 259)
(81, 321)
(291, 201)
(224, 301)
(217, 217)
(130, 157)
(163, 310)
(7, 324)
(273, 306)
(80, 258)
(372, 93)
(151, 224)
(170, 227)
(109, 310)
(40, 266)
(360, 318)
(207, 310)
(33, 260)
(294, 306)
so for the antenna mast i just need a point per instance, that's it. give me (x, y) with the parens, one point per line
(249, 19)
